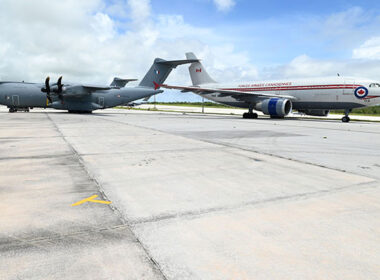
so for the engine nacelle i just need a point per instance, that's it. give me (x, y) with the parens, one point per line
(276, 107)
(315, 112)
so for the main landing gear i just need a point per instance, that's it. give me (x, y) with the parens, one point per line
(250, 115)
(79, 112)
(346, 118)
(14, 110)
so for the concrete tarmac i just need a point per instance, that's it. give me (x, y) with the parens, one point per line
(192, 197)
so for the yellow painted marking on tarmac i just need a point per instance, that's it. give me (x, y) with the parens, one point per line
(91, 199)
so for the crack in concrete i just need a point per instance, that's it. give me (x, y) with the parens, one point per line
(36, 157)
(155, 264)
(236, 207)
(235, 146)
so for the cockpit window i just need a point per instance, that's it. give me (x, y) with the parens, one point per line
(374, 85)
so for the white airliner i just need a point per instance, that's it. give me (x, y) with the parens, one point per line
(314, 96)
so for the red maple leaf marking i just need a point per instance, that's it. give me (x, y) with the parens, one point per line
(361, 91)
(198, 70)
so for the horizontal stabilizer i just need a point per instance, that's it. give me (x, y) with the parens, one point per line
(175, 63)
(147, 98)
(160, 70)
(118, 82)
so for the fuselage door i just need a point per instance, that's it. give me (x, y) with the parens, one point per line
(349, 87)
(101, 101)
(15, 100)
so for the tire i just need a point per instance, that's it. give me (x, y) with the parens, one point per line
(346, 119)
(250, 116)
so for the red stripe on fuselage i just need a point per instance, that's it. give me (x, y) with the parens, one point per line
(290, 88)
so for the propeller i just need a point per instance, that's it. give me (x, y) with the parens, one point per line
(57, 88)
(47, 89)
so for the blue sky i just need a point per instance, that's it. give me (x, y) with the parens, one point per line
(276, 31)
(236, 39)
(273, 33)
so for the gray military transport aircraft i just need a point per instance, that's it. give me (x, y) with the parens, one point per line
(80, 98)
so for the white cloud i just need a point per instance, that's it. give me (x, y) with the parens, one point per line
(224, 5)
(369, 50)
(86, 41)
(82, 42)
(140, 10)
(103, 26)
(304, 66)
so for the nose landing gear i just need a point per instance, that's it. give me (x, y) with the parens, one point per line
(346, 118)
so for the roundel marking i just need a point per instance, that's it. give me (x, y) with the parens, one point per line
(361, 92)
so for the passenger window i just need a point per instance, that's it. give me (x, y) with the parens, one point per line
(374, 85)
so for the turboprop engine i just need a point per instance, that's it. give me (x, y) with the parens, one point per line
(275, 107)
(315, 112)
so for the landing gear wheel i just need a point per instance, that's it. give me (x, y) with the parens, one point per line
(346, 119)
(79, 112)
(250, 116)
(12, 110)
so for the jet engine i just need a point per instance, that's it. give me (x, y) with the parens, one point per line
(275, 107)
(315, 112)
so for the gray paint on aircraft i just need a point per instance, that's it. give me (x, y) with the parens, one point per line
(85, 98)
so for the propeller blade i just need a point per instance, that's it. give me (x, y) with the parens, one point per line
(60, 88)
(59, 83)
(47, 89)
(47, 84)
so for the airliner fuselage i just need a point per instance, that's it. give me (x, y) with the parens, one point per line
(316, 93)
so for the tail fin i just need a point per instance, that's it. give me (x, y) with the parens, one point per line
(198, 73)
(160, 70)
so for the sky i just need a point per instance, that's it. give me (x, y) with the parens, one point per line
(92, 41)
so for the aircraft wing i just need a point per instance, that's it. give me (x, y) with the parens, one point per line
(95, 88)
(237, 94)
(82, 90)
